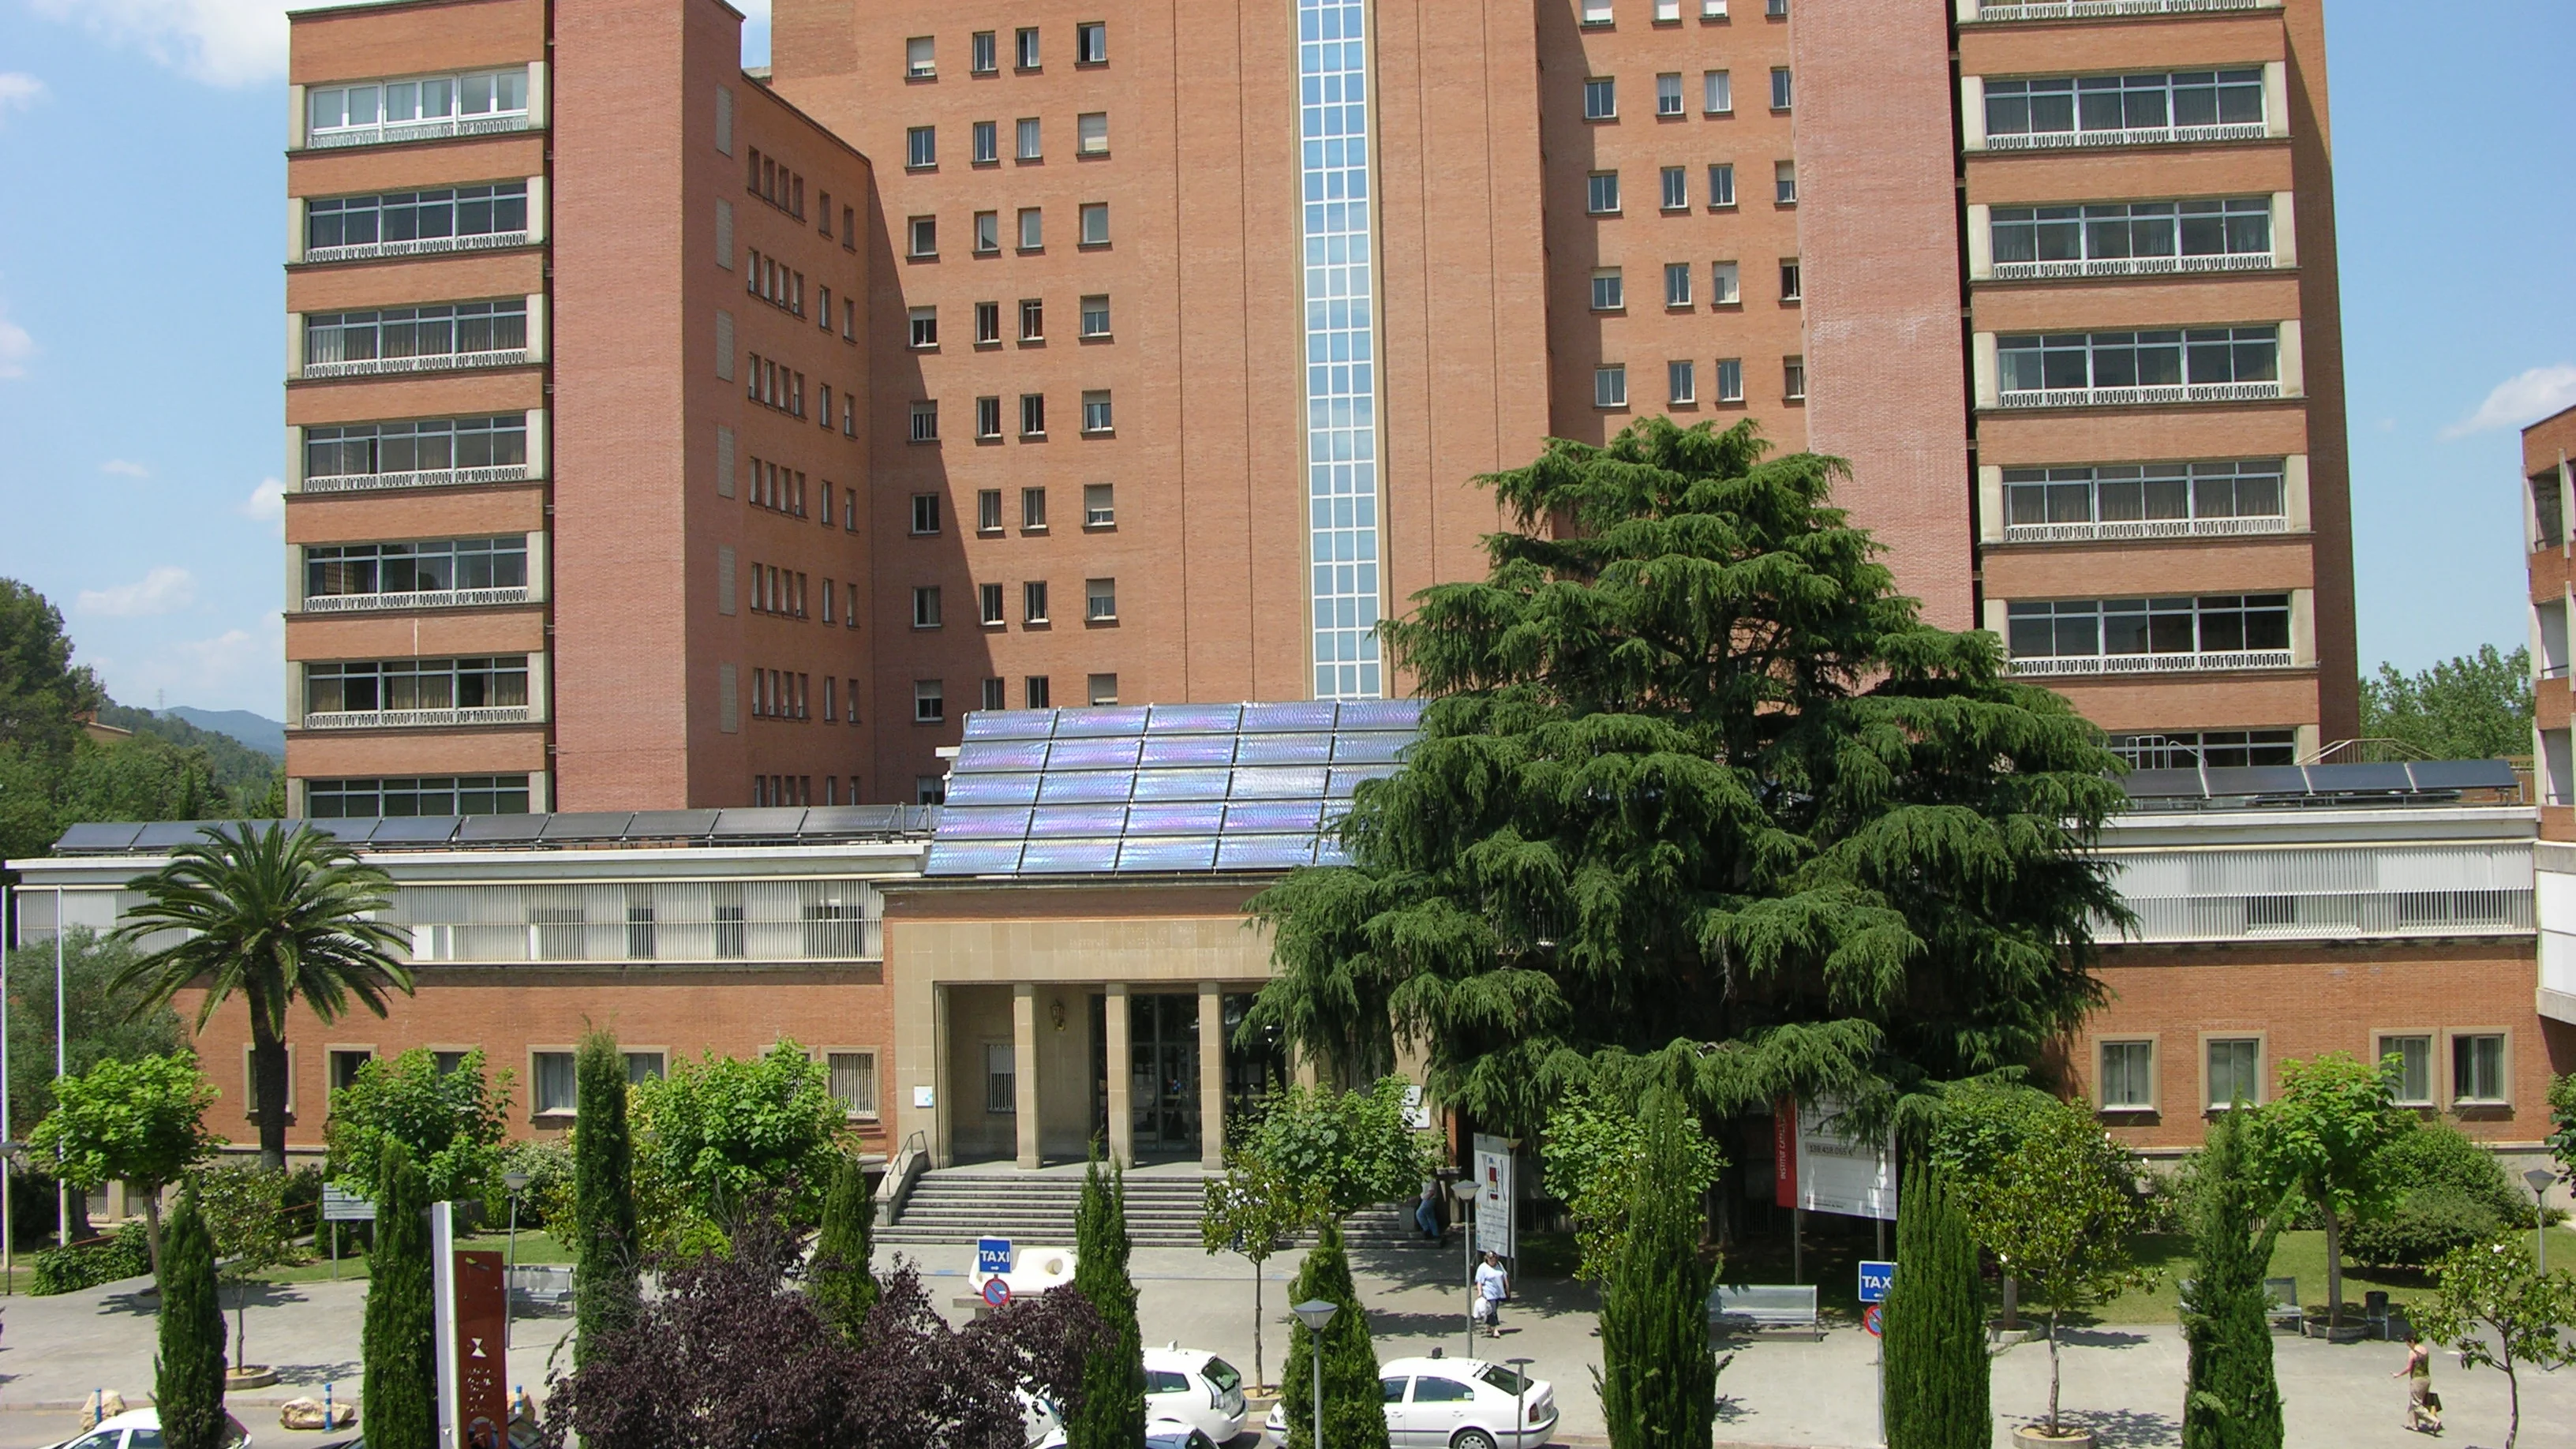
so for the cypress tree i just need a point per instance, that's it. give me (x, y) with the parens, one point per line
(1354, 1410)
(1658, 1380)
(844, 1282)
(188, 1373)
(1939, 1391)
(1112, 1412)
(2230, 1398)
(604, 1287)
(401, 1394)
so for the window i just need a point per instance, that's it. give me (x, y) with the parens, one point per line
(2411, 1058)
(1667, 10)
(1793, 378)
(1033, 510)
(1095, 413)
(1091, 43)
(2128, 1076)
(1095, 316)
(1775, 9)
(1029, 149)
(1596, 12)
(1099, 599)
(458, 568)
(921, 147)
(1610, 386)
(1681, 381)
(2181, 106)
(988, 601)
(404, 223)
(1095, 223)
(2235, 1072)
(1784, 182)
(988, 510)
(854, 1081)
(1033, 602)
(1668, 94)
(1099, 505)
(2477, 1069)
(2200, 363)
(344, 1067)
(1716, 93)
(988, 417)
(1724, 284)
(1677, 284)
(2089, 634)
(1721, 185)
(1032, 229)
(416, 339)
(924, 234)
(438, 450)
(426, 795)
(1091, 133)
(1676, 188)
(925, 327)
(1032, 319)
(557, 1091)
(917, 56)
(988, 232)
(473, 104)
(988, 322)
(929, 789)
(1001, 1081)
(1025, 43)
(1730, 379)
(1792, 280)
(642, 1067)
(925, 422)
(429, 690)
(2121, 238)
(929, 704)
(988, 142)
(925, 513)
(1600, 98)
(1035, 693)
(1602, 192)
(993, 695)
(1104, 689)
(983, 57)
(1779, 88)
(1032, 415)
(1609, 294)
(2217, 749)
(2149, 500)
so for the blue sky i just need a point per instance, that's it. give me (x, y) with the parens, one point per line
(140, 351)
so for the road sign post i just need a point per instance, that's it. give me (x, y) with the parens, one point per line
(1875, 1279)
(992, 1257)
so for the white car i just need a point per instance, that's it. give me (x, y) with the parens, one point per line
(1159, 1434)
(141, 1429)
(1455, 1403)
(1195, 1387)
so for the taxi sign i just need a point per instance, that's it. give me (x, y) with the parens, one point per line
(992, 1255)
(1875, 1279)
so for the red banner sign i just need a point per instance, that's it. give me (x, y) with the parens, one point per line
(1784, 1152)
(482, 1355)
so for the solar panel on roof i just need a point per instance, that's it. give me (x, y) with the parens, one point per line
(1274, 817)
(957, 857)
(984, 822)
(99, 836)
(1264, 852)
(348, 831)
(415, 830)
(1328, 851)
(2463, 775)
(1073, 822)
(1345, 782)
(1068, 857)
(1381, 714)
(1191, 852)
(1279, 782)
(671, 824)
(1263, 719)
(1085, 785)
(1106, 720)
(1182, 784)
(992, 789)
(163, 834)
(1093, 754)
(1372, 748)
(852, 819)
(587, 825)
(2258, 780)
(1010, 724)
(2356, 779)
(1194, 718)
(988, 756)
(1300, 749)
(1193, 817)
(760, 822)
(1169, 750)
(2163, 785)
(500, 829)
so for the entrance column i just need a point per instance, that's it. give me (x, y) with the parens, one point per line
(1212, 1075)
(1024, 1069)
(1122, 1110)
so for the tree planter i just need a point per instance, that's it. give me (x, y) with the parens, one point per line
(2068, 1436)
(2351, 1330)
(249, 1376)
(2012, 1333)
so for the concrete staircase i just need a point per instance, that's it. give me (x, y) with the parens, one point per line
(954, 1208)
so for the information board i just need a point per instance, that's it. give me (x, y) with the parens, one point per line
(1840, 1171)
(1495, 1197)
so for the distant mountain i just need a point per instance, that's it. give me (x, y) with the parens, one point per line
(259, 732)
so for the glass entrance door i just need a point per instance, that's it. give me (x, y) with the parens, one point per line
(1163, 1074)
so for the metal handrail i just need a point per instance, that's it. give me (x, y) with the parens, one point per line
(425, 478)
(2157, 663)
(423, 599)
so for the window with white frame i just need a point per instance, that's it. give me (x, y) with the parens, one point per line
(410, 796)
(350, 456)
(1666, 10)
(1095, 316)
(2145, 500)
(1025, 47)
(925, 326)
(1779, 88)
(983, 55)
(1033, 602)
(1596, 12)
(994, 694)
(409, 223)
(558, 1090)
(1725, 284)
(1668, 93)
(2201, 363)
(1681, 381)
(988, 603)
(922, 236)
(418, 108)
(1610, 386)
(929, 789)
(2183, 631)
(988, 509)
(1784, 182)
(1676, 188)
(1609, 293)
(925, 422)
(925, 513)
(1099, 599)
(1730, 379)
(2408, 1056)
(1099, 505)
(2128, 1076)
(929, 701)
(1601, 192)
(988, 232)
(416, 339)
(1091, 43)
(1677, 284)
(988, 417)
(1721, 184)
(1103, 689)
(925, 607)
(1095, 412)
(2212, 749)
(2121, 238)
(920, 147)
(2204, 105)
(1600, 97)
(1029, 148)
(853, 1081)
(988, 322)
(919, 62)
(2234, 1072)
(1032, 229)
(1091, 133)
(2477, 1069)
(988, 142)
(1716, 92)
(1032, 319)
(1792, 280)
(1033, 510)
(1793, 378)
(1095, 223)
(1032, 415)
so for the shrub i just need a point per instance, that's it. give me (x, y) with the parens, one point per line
(2437, 1154)
(124, 1254)
(2429, 1223)
(548, 1165)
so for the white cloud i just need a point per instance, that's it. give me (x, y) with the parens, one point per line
(267, 502)
(165, 590)
(16, 347)
(2520, 401)
(124, 469)
(19, 91)
(221, 42)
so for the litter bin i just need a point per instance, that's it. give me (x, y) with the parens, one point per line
(2374, 1311)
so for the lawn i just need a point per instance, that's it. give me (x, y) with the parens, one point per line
(535, 1247)
(2300, 1255)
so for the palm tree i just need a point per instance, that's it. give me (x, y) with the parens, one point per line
(272, 915)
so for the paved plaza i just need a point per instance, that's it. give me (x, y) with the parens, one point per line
(2124, 1380)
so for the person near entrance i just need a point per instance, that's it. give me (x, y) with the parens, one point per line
(1426, 1213)
(1493, 1285)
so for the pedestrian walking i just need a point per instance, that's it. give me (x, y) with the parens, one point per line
(1492, 1287)
(1426, 1213)
(2423, 1406)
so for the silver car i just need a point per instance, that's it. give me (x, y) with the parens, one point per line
(1455, 1403)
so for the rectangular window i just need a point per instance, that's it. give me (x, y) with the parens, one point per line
(425, 795)
(1032, 319)
(1730, 379)
(416, 339)
(2235, 1073)
(993, 695)
(1676, 188)
(988, 509)
(2409, 1060)
(929, 789)
(1600, 98)
(557, 1092)
(2126, 238)
(1091, 133)
(423, 691)
(1029, 149)
(1677, 284)
(2205, 105)
(1091, 43)
(923, 232)
(1001, 1079)
(1716, 93)
(2216, 749)
(439, 450)
(1610, 386)
(1784, 182)
(1095, 413)
(429, 571)
(1792, 280)
(917, 56)
(440, 219)
(988, 142)
(929, 702)
(1793, 378)
(988, 417)
(1095, 316)
(1681, 381)
(1099, 599)
(1609, 294)
(1035, 693)
(2477, 1069)
(421, 108)
(344, 1067)
(642, 1067)
(925, 422)
(854, 1081)
(925, 327)
(1032, 229)
(1099, 505)
(1667, 10)
(925, 513)
(1721, 185)
(1596, 12)
(1033, 510)
(2145, 500)
(1032, 415)
(988, 600)
(1026, 48)
(1601, 193)
(2195, 364)
(983, 56)
(1033, 602)
(1668, 94)
(921, 148)
(1775, 9)
(988, 232)
(1095, 223)
(1104, 689)
(988, 322)
(2098, 632)
(1779, 88)
(2128, 1076)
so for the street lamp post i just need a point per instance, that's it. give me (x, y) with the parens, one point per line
(514, 1181)
(1520, 1393)
(2540, 1178)
(1465, 1189)
(1317, 1315)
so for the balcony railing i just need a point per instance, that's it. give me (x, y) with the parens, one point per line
(433, 362)
(418, 247)
(386, 135)
(2553, 671)
(1992, 10)
(2157, 663)
(383, 719)
(2133, 266)
(426, 599)
(431, 478)
(2100, 397)
(2142, 528)
(2141, 136)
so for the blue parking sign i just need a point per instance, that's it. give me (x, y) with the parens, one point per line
(1874, 1281)
(992, 1255)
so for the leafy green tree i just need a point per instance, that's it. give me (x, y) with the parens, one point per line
(142, 778)
(2057, 1212)
(1254, 1210)
(2494, 1309)
(1353, 1146)
(1972, 1127)
(453, 1123)
(188, 1371)
(1354, 1408)
(843, 1280)
(245, 1212)
(2562, 1118)
(2473, 707)
(605, 1286)
(2325, 1137)
(1111, 1413)
(717, 1130)
(270, 915)
(2231, 1400)
(97, 1023)
(1658, 1380)
(1692, 771)
(1595, 1153)
(43, 695)
(401, 1391)
(243, 774)
(2450, 1193)
(141, 1121)
(1939, 1379)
